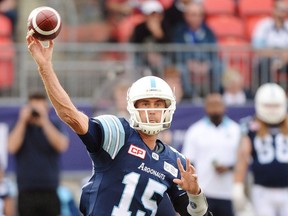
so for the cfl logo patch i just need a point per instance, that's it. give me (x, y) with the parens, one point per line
(136, 151)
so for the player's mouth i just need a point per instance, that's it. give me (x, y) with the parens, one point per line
(153, 121)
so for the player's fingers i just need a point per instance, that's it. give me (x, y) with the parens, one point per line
(51, 44)
(181, 168)
(188, 165)
(31, 41)
(30, 45)
(30, 32)
(177, 181)
(37, 42)
(192, 168)
(28, 39)
(195, 177)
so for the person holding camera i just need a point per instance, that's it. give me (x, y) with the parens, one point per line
(36, 141)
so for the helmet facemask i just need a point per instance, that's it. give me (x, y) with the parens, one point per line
(147, 127)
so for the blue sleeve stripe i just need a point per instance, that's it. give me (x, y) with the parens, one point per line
(107, 133)
(120, 135)
(114, 134)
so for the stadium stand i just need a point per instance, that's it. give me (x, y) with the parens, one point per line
(255, 7)
(226, 26)
(253, 11)
(234, 54)
(219, 7)
(6, 54)
(250, 23)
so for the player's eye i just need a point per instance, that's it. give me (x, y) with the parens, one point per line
(160, 104)
(144, 104)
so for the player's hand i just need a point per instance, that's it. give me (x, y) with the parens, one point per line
(25, 113)
(221, 169)
(238, 197)
(41, 54)
(189, 180)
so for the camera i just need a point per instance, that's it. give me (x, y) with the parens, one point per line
(34, 113)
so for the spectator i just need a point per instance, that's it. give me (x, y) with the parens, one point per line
(233, 88)
(173, 77)
(7, 203)
(174, 14)
(153, 30)
(198, 65)
(211, 144)
(270, 39)
(124, 15)
(37, 143)
(264, 151)
(117, 104)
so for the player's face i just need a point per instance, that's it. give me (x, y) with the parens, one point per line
(155, 108)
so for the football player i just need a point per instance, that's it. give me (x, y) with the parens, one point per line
(266, 143)
(132, 170)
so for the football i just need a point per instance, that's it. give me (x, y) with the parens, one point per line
(44, 23)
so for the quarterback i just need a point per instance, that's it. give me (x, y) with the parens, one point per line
(132, 169)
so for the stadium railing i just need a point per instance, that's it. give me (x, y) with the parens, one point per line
(87, 71)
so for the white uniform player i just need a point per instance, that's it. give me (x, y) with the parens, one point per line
(265, 141)
(3, 145)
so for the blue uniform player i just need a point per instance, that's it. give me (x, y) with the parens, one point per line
(133, 170)
(266, 143)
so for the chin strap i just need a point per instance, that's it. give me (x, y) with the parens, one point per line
(150, 130)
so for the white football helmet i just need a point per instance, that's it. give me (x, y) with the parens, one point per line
(150, 87)
(271, 103)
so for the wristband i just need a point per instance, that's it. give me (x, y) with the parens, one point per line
(198, 205)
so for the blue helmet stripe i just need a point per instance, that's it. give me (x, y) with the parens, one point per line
(153, 82)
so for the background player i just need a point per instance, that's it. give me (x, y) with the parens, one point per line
(132, 169)
(265, 140)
